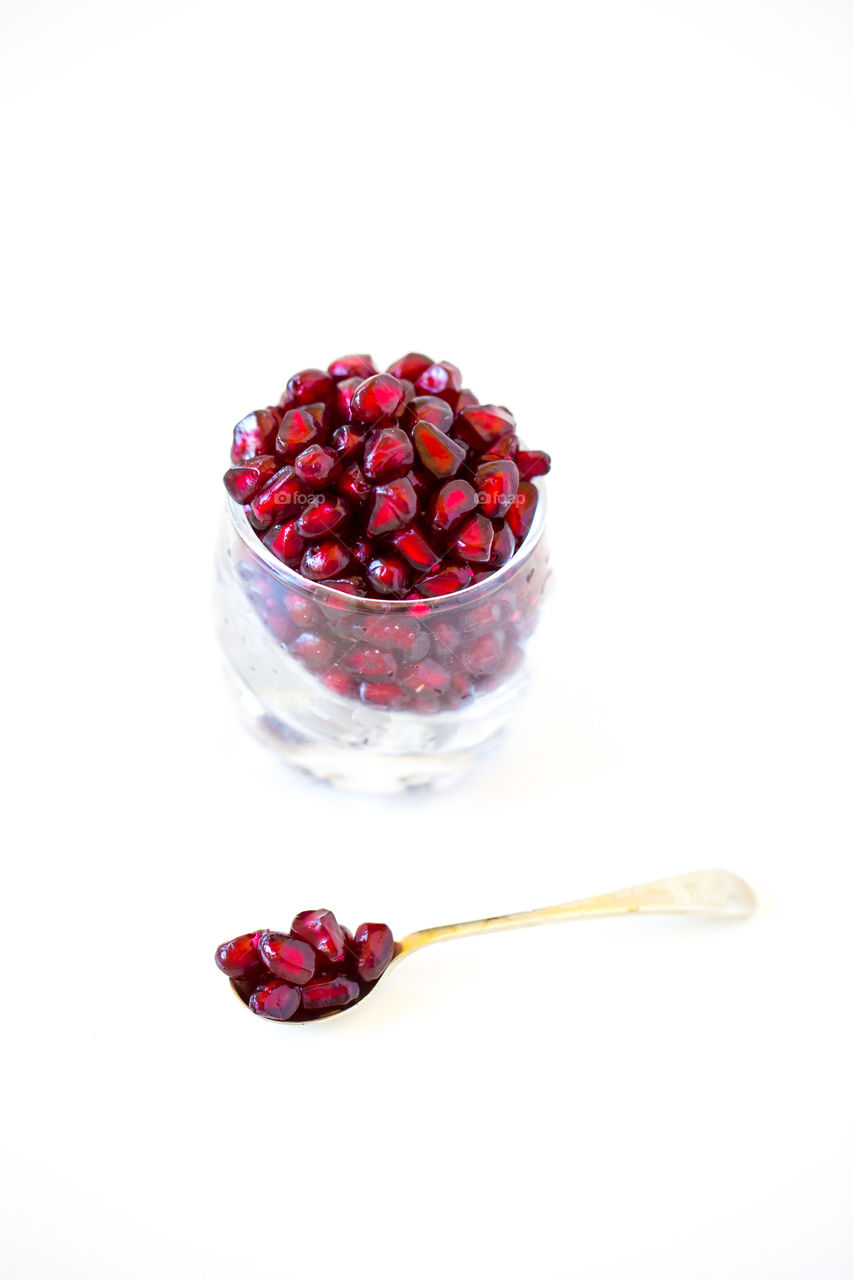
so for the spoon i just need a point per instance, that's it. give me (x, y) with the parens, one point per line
(702, 893)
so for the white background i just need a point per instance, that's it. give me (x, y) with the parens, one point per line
(632, 224)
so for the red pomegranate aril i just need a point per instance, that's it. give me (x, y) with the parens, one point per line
(326, 559)
(483, 425)
(465, 398)
(423, 484)
(370, 664)
(307, 387)
(387, 453)
(482, 655)
(363, 551)
(381, 396)
(279, 623)
(451, 503)
(506, 447)
(352, 484)
(430, 409)
(414, 548)
(398, 634)
(360, 367)
(456, 577)
(323, 517)
(410, 366)
(351, 586)
(337, 681)
(442, 379)
(503, 547)
(521, 513)
(532, 463)
(426, 674)
(302, 611)
(496, 484)
(288, 958)
(474, 539)
(343, 398)
(388, 575)
(299, 428)
(313, 651)
(329, 993)
(322, 930)
(278, 500)
(376, 693)
(374, 948)
(286, 543)
(317, 466)
(240, 958)
(441, 456)
(253, 435)
(348, 442)
(244, 482)
(394, 507)
(445, 639)
(277, 1001)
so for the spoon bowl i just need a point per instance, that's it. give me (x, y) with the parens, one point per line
(716, 893)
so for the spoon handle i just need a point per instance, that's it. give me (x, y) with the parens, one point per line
(706, 893)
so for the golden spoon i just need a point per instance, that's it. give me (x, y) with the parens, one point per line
(702, 893)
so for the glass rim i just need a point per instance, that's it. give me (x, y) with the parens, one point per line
(467, 596)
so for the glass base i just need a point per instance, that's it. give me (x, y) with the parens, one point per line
(375, 760)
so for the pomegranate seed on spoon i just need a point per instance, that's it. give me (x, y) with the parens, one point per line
(329, 993)
(277, 1001)
(240, 957)
(322, 931)
(374, 949)
(288, 958)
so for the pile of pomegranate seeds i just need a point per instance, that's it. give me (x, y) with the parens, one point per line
(298, 976)
(395, 485)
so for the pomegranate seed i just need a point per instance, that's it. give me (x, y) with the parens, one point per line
(440, 455)
(425, 675)
(532, 463)
(443, 380)
(445, 639)
(329, 993)
(323, 517)
(240, 958)
(307, 387)
(299, 428)
(483, 425)
(503, 547)
(394, 506)
(506, 447)
(322, 930)
(410, 366)
(254, 435)
(374, 948)
(405, 637)
(387, 453)
(521, 513)
(388, 575)
(483, 655)
(465, 398)
(360, 367)
(413, 547)
(326, 559)
(497, 484)
(381, 396)
(452, 502)
(348, 442)
(278, 500)
(474, 539)
(303, 612)
(277, 1001)
(423, 484)
(382, 694)
(343, 397)
(363, 551)
(287, 958)
(312, 650)
(279, 624)
(244, 482)
(338, 681)
(317, 466)
(351, 483)
(437, 413)
(454, 578)
(370, 664)
(286, 542)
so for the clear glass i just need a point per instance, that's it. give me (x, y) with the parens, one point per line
(296, 652)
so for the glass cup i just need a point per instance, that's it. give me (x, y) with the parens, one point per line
(375, 695)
